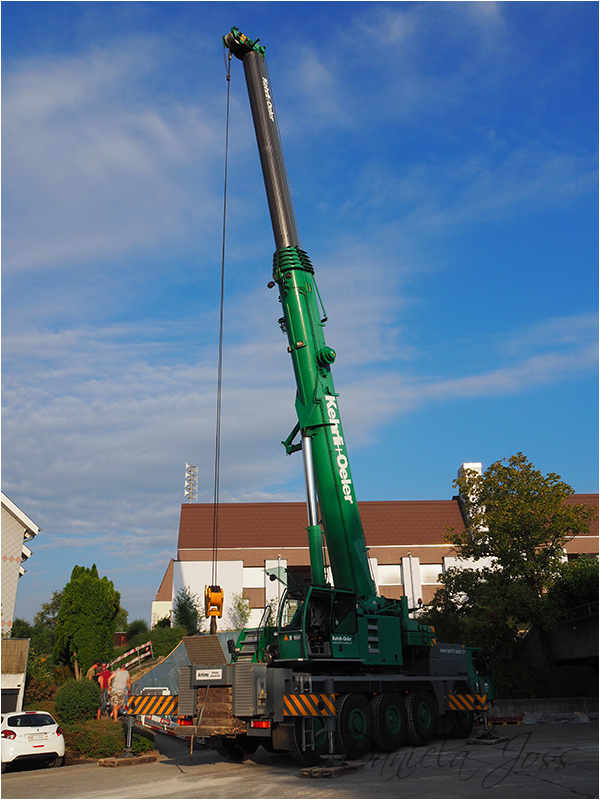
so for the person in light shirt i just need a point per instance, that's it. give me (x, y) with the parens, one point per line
(118, 683)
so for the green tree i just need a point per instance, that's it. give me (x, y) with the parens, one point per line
(86, 621)
(48, 613)
(239, 612)
(518, 521)
(44, 625)
(575, 587)
(21, 629)
(136, 627)
(187, 611)
(121, 621)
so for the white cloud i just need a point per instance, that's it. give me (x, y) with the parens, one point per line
(96, 166)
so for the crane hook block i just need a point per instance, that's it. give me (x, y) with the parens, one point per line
(213, 601)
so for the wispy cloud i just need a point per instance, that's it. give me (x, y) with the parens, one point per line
(97, 166)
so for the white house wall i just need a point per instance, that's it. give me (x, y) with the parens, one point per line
(198, 574)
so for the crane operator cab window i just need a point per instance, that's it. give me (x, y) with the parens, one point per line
(290, 616)
(318, 623)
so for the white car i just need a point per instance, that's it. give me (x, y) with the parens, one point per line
(31, 735)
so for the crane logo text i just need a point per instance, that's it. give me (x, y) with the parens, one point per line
(338, 441)
(268, 98)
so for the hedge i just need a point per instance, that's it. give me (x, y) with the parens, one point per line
(77, 701)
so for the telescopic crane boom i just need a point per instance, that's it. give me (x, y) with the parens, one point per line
(319, 423)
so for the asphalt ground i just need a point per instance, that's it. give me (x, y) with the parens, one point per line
(538, 761)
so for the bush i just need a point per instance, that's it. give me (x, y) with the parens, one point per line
(136, 627)
(516, 682)
(163, 640)
(104, 739)
(77, 701)
(38, 690)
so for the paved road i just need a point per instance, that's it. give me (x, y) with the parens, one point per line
(539, 761)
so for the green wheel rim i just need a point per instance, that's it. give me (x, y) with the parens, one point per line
(393, 720)
(424, 715)
(357, 723)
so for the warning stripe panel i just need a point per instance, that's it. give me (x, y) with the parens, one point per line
(165, 705)
(309, 705)
(467, 702)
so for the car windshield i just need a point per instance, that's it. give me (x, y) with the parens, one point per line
(30, 720)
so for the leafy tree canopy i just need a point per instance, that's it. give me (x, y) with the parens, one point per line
(48, 613)
(518, 521)
(519, 518)
(86, 620)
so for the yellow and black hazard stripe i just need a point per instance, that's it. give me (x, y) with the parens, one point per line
(309, 705)
(163, 705)
(467, 702)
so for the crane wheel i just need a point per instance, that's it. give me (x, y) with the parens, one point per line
(463, 724)
(237, 749)
(422, 714)
(390, 721)
(354, 725)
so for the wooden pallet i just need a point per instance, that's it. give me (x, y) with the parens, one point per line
(332, 772)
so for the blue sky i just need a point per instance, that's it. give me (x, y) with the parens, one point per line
(443, 162)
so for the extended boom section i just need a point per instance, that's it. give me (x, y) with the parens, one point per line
(316, 401)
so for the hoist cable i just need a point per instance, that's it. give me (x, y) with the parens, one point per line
(215, 536)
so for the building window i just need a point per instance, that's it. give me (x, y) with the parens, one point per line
(389, 574)
(430, 573)
(253, 578)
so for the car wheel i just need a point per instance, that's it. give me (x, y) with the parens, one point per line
(57, 762)
(3, 767)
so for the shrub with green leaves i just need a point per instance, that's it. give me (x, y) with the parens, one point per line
(164, 640)
(77, 701)
(104, 739)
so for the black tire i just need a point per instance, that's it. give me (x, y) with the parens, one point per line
(421, 709)
(238, 749)
(390, 723)
(3, 768)
(312, 757)
(463, 724)
(57, 762)
(354, 725)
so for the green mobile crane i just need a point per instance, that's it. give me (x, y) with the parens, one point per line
(342, 669)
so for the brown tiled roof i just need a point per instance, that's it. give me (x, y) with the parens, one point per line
(14, 656)
(279, 524)
(273, 525)
(165, 591)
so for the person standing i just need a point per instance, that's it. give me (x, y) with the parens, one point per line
(103, 678)
(119, 682)
(91, 673)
